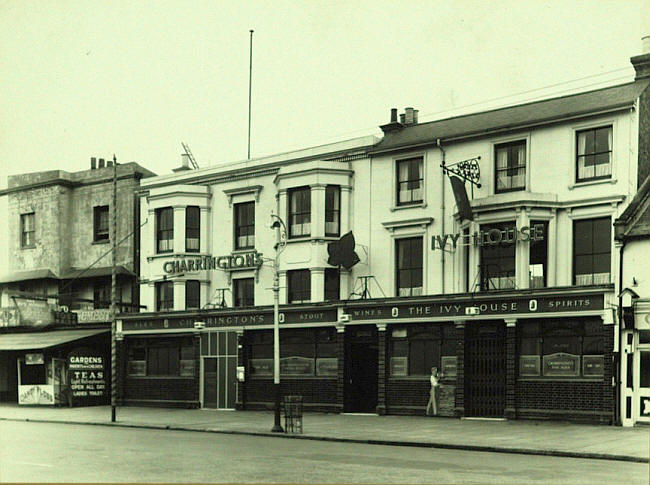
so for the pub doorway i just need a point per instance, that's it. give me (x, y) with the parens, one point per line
(485, 369)
(219, 370)
(361, 369)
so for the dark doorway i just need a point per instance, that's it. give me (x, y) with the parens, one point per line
(485, 369)
(361, 369)
(210, 382)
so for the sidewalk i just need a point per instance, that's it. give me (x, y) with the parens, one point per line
(528, 437)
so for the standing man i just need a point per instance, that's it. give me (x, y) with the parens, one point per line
(432, 405)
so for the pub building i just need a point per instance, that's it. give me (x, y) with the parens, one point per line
(481, 245)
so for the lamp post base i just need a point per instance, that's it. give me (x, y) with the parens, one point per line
(277, 427)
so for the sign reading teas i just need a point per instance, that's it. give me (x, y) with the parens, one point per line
(248, 260)
(87, 375)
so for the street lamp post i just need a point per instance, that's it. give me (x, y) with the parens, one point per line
(280, 237)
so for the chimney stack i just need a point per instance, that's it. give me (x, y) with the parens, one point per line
(101, 163)
(393, 115)
(185, 163)
(641, 63)
(93, 163)
(409, 117)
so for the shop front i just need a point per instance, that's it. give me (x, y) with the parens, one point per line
(58, 367)
(223, 358)
(635, 371)
(544, 354)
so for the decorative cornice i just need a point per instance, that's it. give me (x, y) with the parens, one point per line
(251, 189)
(422, 222)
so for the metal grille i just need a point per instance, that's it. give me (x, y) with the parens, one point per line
(485, 370)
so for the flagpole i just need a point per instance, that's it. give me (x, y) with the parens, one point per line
(250, 83)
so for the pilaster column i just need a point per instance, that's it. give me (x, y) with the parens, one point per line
(318, 210)
(474, 283)
(179, 295)
(179, 229)
(511, 369)
(241, 361)
(205, 245)
(459, 407)
(196, 341)
(346, 209)
(340, 375)
(551, 254)
(344, 281)
(120, 357)
(382, 405)
(522, 252)
(317, 284)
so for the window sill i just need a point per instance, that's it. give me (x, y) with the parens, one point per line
(175, 255)
(587, 183)
(562, 379)
(243, 250)
(421, 205)
(102, 241)
(28, 247)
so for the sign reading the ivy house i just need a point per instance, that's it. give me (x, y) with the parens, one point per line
(529, 365)
(87, 375)
(244, 260)
(490, 237)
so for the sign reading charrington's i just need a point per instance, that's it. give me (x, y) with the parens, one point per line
(505, 306)
(491, 237)
(264, 317)
(248, 260)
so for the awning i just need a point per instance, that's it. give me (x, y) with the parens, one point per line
(42, 340)
(35, 274)
(73, 273)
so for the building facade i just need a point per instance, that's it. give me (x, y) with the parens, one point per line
(632, 231)
(56, 289)
(506, 279)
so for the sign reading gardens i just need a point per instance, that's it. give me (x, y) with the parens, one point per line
(489, 306)
(246, 260)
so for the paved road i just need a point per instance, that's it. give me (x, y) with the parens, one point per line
(40, 452)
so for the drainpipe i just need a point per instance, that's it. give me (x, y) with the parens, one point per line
(618, 419)
(442, 218)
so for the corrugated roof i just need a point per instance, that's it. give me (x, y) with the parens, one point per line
(513, 117)
(35, 274)
(94, 272)
(43, 340)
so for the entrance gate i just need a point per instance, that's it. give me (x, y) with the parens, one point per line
(218, 370)
(485, 369)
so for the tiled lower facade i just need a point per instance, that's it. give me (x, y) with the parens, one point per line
(557, 367)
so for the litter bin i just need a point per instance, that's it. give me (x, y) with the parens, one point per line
(293, 414)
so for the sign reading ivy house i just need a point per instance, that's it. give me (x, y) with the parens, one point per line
(246, 260)
(490, 237)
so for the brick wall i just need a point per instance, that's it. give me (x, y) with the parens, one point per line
(410, 396)
(644, 136)
(317, 394)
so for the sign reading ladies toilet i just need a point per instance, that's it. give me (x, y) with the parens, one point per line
(87, 376)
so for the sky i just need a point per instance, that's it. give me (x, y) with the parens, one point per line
(81, 79)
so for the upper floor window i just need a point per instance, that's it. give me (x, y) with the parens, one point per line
(244, 292)
(192, 295)
(592, 251)
(299, 212)
(408, 264)
(101, 296)
(498, 260)
(164, 296)
(594, 153)
(510, 166)
(192, 229)
(100, 223)
(332, 284)
(410, 181)
(332, 210)
(245, 225)
(165, 230)
(299, 286)
(27, 230)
